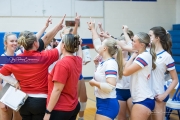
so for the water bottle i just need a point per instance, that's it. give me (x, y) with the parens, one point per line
(86, 54)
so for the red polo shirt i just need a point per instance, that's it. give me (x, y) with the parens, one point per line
(33, 78)
(66, 71)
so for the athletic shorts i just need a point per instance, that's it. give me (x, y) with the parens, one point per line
(108, 107)
(149, 103)
(123, 94)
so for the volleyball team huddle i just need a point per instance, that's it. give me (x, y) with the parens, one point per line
(129, 76)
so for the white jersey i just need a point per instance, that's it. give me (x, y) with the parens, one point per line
(20, 51)
(123, 83)
(164, 62)
(108, 68)
(1, 65)
(139, 83)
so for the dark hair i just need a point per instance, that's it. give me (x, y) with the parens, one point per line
(54, 40)
(164, 36)
(131, 33)
(27, 39)
(71, 42)
(127, 33)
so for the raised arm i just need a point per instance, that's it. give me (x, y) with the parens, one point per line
(131, 67)
(100, 27)
(77, 21)
(125, 31)
(40, 33)
(95, 37)
(51, 34)
(125, 46)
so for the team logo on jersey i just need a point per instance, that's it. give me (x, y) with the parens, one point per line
(159, 57)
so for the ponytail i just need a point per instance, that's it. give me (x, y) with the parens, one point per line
(22, 41)
(27, 40)
(152, 52)
(76, 43)
(167, 44)
(71, 42)
(119, 60)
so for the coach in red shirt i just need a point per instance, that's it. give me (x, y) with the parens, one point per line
(62, 101)
(33, 78)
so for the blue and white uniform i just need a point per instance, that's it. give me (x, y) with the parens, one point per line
(141, 92)
(107, 104)
(164, 62)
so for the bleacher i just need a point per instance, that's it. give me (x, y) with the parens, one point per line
(175, 34)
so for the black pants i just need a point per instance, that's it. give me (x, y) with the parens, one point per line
(33, 109)
(65, 115)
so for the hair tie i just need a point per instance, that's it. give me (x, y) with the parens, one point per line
(117, 46)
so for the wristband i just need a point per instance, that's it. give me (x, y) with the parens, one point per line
(47, 111)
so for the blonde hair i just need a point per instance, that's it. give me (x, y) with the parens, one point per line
(6, 35)
(112, 50)
(71, 42)
(26, 40)
(144, 38)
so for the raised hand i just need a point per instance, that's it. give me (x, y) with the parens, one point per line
(134, 55)
(77, 19)
(125, 28)
(60, 26)
(104, 34)
(100, 25)
(49, 21)
(91, 25)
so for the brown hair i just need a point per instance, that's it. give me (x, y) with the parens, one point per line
(27, 39)
(165, 38)
(71, 42)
